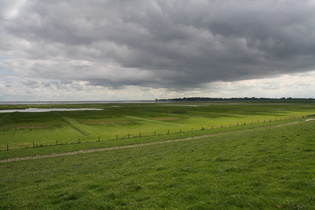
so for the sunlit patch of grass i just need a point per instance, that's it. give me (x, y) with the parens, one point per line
(133, 120)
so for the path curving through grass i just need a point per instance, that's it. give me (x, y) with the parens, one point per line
(134, 145)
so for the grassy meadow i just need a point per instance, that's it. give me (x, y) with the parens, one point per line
(20, 130)
(256, 156)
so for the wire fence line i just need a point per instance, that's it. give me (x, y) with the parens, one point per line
(33, 144)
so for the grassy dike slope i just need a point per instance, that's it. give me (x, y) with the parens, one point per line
(271, 168)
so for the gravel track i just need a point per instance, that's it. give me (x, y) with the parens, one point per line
(128, 146)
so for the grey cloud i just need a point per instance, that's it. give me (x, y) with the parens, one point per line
(31, 83)
(56, 85)
(182, 44)
(8, 85)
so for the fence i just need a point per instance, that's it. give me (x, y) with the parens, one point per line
(129, 136)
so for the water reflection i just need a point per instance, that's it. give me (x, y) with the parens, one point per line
(48, 110)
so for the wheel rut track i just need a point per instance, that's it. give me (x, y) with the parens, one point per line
(132, 146)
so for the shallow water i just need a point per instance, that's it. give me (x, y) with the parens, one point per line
(74, 102)
(47, 110)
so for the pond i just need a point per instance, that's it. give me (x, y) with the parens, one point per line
(48, 110)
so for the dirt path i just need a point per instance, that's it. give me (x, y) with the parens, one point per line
(100, 149)
(129, 146)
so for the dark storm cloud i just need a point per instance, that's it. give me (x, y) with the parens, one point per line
(165, 43)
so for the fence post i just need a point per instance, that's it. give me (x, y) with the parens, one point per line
(116, 137)
(7, 147)
(168, 131)
(33, 144)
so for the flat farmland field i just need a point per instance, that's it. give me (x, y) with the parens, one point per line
(115, 121)
(167, 156)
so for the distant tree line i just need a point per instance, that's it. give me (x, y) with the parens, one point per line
(229, 99)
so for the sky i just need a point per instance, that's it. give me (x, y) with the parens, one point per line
(57, 50)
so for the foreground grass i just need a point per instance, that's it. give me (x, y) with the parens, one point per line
(267, 168)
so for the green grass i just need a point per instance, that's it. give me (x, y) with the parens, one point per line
(258, 168)
(69, 147)
(20, 130)
(253, 166)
